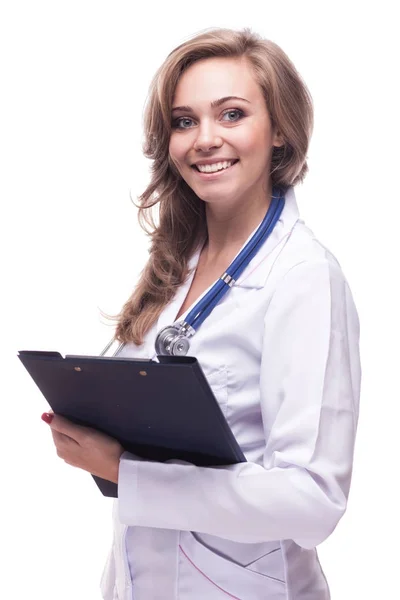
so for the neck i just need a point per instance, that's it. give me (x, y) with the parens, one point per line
(228, 228)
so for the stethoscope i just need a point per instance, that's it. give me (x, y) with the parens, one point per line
(173, 340)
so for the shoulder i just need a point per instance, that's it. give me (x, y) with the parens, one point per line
(306, 252)
(305, 257)
(303, 250)
(307, 284)
(300, 255)
(301, 274)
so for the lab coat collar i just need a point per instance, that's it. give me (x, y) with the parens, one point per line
(256, 273)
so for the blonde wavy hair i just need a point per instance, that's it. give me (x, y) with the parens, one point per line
(181, 213)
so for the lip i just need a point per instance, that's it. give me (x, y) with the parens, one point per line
(212, 161)
(211, 176)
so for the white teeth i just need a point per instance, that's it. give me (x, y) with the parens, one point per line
(215, 167)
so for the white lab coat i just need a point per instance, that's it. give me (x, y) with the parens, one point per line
(281, 353)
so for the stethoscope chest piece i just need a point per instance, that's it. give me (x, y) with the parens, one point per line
(171, 341)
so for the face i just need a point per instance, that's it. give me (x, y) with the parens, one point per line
(220, 119)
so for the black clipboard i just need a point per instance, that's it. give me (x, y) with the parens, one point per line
(157, 410)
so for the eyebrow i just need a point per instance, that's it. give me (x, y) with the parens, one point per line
(213, 104)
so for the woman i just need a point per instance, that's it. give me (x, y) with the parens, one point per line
(227, 125)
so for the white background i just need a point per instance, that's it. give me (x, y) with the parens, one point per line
(74, 80)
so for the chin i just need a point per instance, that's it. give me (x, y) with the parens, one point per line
(217, 199)
(215, 191)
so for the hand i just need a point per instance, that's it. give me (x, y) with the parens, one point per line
(85, 448)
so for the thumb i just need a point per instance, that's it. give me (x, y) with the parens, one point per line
(63, 425)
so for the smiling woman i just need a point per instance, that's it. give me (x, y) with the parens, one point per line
(223, 96)
(227, 126)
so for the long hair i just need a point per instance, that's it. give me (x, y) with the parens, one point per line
(181, 213)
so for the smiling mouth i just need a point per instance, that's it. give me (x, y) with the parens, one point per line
(208, 171)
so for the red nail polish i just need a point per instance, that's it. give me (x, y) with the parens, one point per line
(47, 418)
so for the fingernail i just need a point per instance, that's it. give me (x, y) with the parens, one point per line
(47, 418)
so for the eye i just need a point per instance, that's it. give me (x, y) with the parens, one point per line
(234, 114)
(234, 111)
(181, 123)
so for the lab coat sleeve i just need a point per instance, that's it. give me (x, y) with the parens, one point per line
(310, 379)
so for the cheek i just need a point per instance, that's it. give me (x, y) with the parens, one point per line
(177, 148)
(250, 141)
(177, 157)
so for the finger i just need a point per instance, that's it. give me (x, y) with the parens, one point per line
(62, 439)
(63, 444)
(68, 428)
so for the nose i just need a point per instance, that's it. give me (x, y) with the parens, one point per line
(207, 138)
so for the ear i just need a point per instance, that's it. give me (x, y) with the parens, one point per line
(278, 140)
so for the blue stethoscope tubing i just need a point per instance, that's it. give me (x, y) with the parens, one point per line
(176, 335)
(205, 306)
